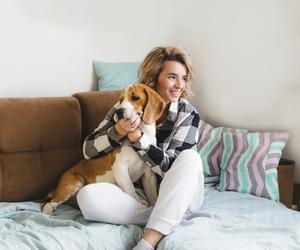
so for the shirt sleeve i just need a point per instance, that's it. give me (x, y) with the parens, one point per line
(103, 139)
(184, 137)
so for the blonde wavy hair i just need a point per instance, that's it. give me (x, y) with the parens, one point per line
(154, 62)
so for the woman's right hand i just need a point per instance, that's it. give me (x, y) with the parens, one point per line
(125, 126)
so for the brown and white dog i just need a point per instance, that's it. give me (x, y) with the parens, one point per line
(121, 166)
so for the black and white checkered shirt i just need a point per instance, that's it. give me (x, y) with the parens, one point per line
(179, 131)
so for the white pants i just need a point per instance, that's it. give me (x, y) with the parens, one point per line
(180, 195)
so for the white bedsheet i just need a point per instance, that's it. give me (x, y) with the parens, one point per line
(230, 220)
(227, 220)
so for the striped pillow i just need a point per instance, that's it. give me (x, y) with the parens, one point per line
(209, 147)
(249, 163)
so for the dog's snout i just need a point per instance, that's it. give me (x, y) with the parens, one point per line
(120, 113)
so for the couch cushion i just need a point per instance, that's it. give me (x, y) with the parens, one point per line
(40, 138)
(94, 106)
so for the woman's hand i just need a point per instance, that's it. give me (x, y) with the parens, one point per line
(125, 126)
(135, 135)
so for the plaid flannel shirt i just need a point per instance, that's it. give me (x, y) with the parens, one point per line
(179, 131)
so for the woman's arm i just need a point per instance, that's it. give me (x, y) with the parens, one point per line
(103, 139)
(184, 137)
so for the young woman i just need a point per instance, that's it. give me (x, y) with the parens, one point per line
(168, 71)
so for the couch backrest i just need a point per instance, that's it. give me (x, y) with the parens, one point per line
(40, 138)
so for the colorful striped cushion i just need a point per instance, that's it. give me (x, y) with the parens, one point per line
(209, 147)
(249, 163)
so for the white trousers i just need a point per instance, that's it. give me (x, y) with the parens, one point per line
(180, 195)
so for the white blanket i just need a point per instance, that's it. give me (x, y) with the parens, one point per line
(227, 220)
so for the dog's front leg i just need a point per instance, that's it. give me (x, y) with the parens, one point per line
(123, 180)
(149, 183)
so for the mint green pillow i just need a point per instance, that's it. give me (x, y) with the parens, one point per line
(115, 76)
(210, 147)
(249, 162)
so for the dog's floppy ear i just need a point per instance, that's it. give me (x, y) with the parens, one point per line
(154, 106)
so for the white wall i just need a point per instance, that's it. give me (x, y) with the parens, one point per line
(246, 53)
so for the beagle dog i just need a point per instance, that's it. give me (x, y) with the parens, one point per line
(122, 166)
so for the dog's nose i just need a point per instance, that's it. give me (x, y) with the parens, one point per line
(120, 113)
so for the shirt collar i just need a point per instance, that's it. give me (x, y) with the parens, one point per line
(173, 111)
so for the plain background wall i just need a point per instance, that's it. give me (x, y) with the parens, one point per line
(246, 53)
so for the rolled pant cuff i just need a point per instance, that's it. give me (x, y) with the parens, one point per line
(161, 226)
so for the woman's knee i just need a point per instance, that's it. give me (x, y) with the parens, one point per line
(90, 195)
(191, 160)
(83, 195)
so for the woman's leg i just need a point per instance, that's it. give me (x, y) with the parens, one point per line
(106, 202)
(181, 193)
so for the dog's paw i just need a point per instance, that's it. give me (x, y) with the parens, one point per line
(141, 197)
(145, 203)
(152, 202)
(48, 208)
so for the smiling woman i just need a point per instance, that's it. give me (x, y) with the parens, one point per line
(171, 81)
(168, 71)
(164, 58)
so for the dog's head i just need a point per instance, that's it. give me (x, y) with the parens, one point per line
(140, 100)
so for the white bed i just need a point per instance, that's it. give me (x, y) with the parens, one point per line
(227, 220)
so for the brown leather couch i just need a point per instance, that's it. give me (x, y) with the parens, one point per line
(40, 138)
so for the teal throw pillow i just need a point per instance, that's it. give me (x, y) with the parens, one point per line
(115, 76)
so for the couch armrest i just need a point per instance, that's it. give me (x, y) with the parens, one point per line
(94, 106)
(286, 171)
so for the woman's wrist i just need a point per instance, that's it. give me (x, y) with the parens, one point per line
(119, 130)
(135, 135)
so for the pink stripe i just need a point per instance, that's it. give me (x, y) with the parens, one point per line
(206, 129)
(283, 135)
(214, 160)
(272, 160)
(258, 178)
(237, 152)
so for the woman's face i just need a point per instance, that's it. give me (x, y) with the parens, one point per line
(171, 81)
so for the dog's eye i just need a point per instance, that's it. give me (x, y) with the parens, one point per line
(135, 98)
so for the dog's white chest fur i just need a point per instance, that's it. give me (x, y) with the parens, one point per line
(107, 177)
(129, 167)
(128, 160)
